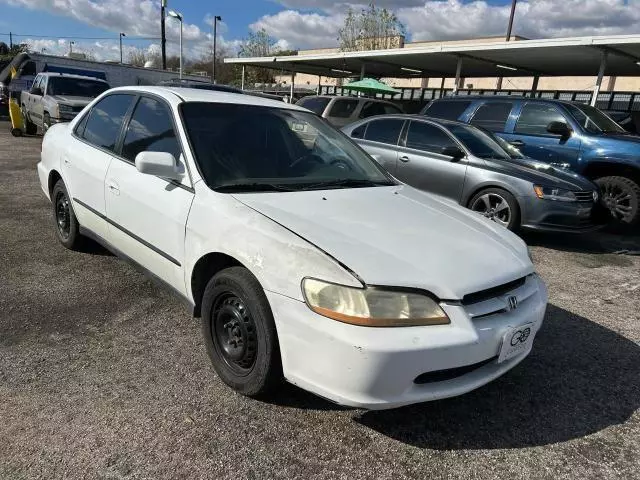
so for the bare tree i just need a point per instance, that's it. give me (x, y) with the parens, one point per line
(258, 44)
(370, 29)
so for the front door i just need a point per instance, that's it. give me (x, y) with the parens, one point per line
(148, 214)
(531, 137)
(86, 159)
(422, 165)
(380, 140)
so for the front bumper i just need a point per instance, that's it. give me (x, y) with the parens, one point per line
(549, 215)
(377, 368)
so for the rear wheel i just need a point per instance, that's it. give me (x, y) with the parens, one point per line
(240, 333)
(621, 196)
(67, 226)
(46, 123)
(498, 205)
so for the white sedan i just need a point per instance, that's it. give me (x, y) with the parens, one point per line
(303, 258)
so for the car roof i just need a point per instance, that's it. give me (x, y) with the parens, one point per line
(347, 97)
(414, 116)
(208, 96)
(71, 75)
(499, 98)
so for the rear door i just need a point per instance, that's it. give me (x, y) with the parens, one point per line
(531, 137)
(148, 214)
(422, 165)
(86, 159)
(34, 101)
(380, 139)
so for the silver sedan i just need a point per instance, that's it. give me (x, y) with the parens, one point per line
(479, 171)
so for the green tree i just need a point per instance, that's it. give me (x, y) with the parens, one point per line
(370, 29)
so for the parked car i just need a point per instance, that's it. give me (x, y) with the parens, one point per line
(629, 121)
(304, 261)
(465, 164)
(565, 134)
(56, 97)
(341, 111)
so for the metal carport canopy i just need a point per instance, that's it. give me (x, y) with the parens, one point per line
(575, 56)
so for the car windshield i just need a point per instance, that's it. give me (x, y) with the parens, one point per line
(256, 148)
(592, 119)
(75, 87)
(477, 142)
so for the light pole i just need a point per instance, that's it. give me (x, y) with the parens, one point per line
(71, 44)
(513, 11)
(178, 16)
(163, 38)
(216, 19)
(121, 35)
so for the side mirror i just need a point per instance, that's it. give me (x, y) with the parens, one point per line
(160, 164)
(36, 91)
(559, 128)
(454, 152)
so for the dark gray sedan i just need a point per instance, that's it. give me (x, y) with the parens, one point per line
(479, 171)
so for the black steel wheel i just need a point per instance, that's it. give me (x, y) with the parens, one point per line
(621, 196)
(240, 333)
(46, 123)
(67, 227)
(29, 127)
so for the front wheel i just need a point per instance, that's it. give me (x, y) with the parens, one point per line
(498, 205)
(621, 196)
(240, 333)
(29, 127)
(46, 123)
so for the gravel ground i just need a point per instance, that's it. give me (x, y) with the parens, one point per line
(103, 374)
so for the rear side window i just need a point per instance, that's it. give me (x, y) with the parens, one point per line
(359, 131)
(372, 109)
(535, 117)
(315, 104)
(150, 130)
(105, 120)
(492, 116)
(343, 108)
(449, 110)
(428, 138)
(384, 131)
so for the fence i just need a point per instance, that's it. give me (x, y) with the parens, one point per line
(620, 101)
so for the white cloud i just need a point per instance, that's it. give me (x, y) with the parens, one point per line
(302, 30)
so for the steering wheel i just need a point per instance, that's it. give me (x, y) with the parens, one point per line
(341, 163)
(308, 157)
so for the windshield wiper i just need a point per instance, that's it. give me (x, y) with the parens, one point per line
(347, 183)
(252, 187)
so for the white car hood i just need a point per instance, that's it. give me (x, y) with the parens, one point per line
(400, 236)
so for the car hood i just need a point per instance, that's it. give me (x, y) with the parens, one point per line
(72, 100)
(400, 236)
(541, 173)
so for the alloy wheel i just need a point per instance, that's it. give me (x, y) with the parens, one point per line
(494, 207)
(617, 199)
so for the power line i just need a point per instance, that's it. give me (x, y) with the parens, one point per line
(65, 37)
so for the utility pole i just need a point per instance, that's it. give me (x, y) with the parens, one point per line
(71, 44)
(163, 37)
(121, 35)
(513, 11)
(215, 38)
(10, 39)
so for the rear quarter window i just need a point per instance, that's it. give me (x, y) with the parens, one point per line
(315, 104)
(448, 110)
(343, 108)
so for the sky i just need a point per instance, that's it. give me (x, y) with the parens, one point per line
(49, 25)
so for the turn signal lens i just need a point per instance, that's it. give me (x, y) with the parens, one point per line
(372, 307)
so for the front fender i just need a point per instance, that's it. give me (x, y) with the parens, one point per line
(277, 257)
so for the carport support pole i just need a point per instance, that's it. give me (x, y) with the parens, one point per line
(293, 79)
(534, 87)
(362, 72)
(596, 89)
(242, 80)
(456, 84)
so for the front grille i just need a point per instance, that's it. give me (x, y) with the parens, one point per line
(450, 373)
(492, 292)
(584, 197)
(77, 109)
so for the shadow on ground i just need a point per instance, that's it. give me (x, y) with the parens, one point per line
(606, 241)
(579, 379)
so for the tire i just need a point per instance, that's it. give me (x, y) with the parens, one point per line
(240, 333)
(621, 196)
(65, 221)
(16, 132)
(46, 123)
(497, 205)
(29, 127)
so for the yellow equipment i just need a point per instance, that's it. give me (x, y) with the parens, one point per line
(17, 122)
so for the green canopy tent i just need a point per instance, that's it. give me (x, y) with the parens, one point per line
(370, 85)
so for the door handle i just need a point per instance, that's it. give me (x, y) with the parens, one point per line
(113, 188)
(66, 161)
(518, 143)
(404, 159)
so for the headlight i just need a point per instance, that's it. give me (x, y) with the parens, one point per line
(65, 108)
(558, 194)
(372, 307)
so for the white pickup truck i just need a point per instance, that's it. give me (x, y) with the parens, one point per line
(56, 97)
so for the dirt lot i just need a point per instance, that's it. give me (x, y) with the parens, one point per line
(104, 375)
